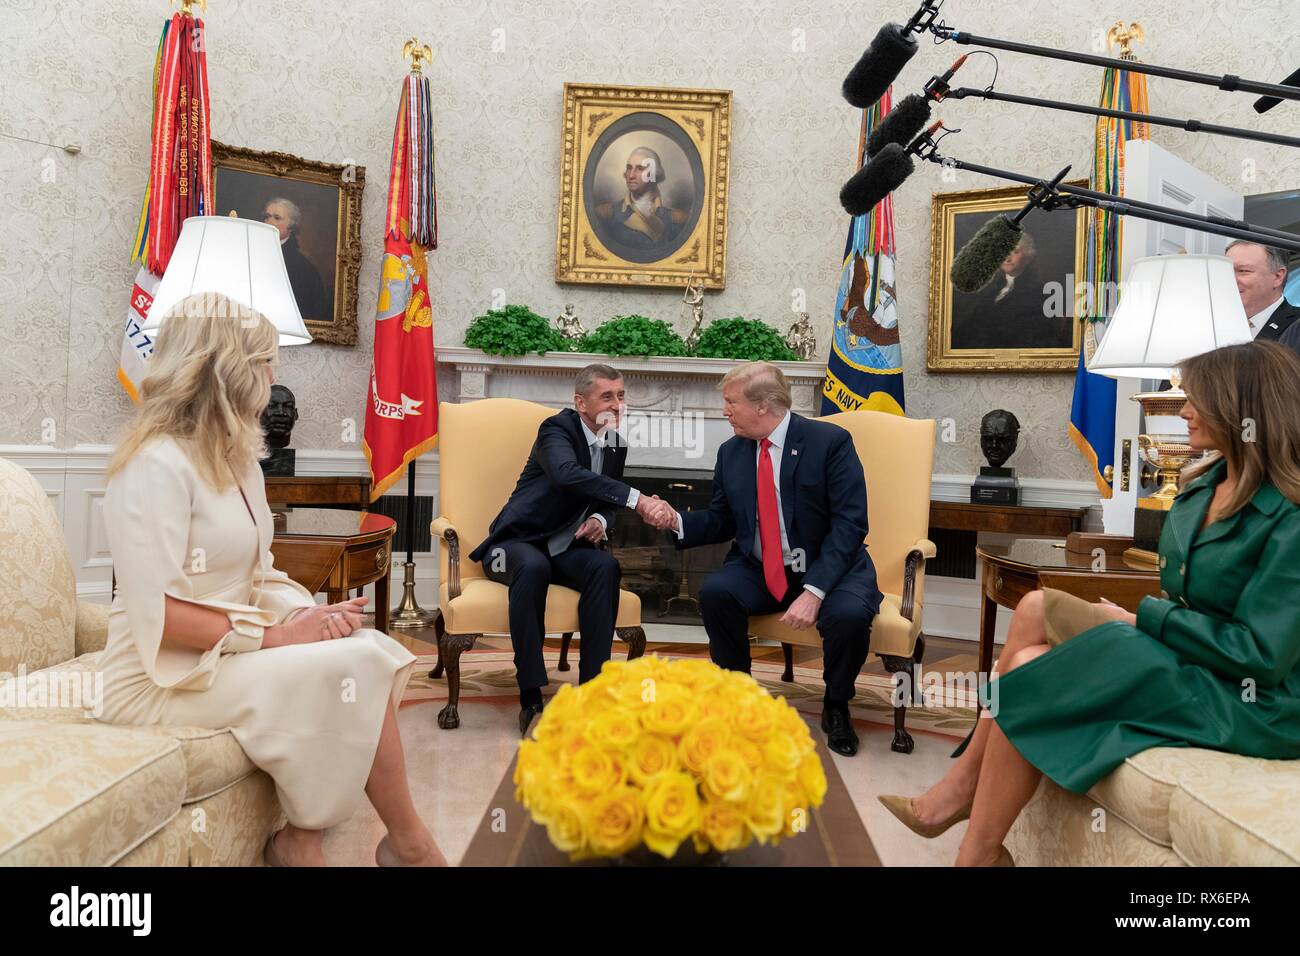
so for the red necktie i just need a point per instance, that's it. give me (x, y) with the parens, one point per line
(769, 529)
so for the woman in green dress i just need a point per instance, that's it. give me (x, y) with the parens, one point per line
(1210, 663)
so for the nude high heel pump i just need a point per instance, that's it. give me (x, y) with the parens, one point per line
(901, 807)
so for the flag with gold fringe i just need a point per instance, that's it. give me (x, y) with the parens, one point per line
(1092, 412)
(402, 399)
(180, 177)
(865, 367)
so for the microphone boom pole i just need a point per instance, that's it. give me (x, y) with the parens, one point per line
(1215, 225)
(1191, 126)
(1228, 82)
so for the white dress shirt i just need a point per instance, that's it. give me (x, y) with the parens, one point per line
(597, 448)
(1258, 320)
(777, 438)
(1006, 289)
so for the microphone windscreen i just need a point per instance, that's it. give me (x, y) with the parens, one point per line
(977, 263)
(879, 66)
(901, 124)
(1266, 103)
(876, 180)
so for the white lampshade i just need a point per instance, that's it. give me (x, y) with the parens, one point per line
(238, 258)
(1171, 308)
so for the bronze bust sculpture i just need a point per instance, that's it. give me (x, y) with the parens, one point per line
(999, 433)
(277, 422)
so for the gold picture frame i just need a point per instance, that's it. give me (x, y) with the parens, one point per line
(678, 141)
(323, 248)
(1028, 325)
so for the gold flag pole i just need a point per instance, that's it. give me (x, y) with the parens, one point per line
(408, 613)
(187, 6)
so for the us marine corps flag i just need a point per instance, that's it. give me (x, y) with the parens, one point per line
(402, 398)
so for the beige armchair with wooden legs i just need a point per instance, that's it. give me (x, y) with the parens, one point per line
(482, 448)
(898, 458)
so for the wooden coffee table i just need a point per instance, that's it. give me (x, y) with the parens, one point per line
(1026, 564)
(336, 551)
(836, 836)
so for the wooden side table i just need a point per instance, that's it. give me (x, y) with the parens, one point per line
(316, 490)
(1007, 519)
(335, 551)
(1013, 570)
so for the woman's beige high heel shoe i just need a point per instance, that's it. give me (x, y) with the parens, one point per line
(1004, 857)
(901, 807)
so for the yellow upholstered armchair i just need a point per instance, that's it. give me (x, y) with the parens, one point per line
(482, 447)
(897, 456)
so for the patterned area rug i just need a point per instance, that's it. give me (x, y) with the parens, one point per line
(490, 674)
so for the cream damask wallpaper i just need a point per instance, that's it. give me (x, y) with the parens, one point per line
(321, 80)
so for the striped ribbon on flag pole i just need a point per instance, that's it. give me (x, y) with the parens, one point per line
(1092, 411)
(180, 182)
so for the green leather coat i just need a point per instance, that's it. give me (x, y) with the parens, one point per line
(1212, 663)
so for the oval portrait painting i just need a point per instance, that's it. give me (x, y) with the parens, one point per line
(643, 187)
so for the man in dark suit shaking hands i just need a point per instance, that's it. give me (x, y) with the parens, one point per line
(551, 528)
(791, 495)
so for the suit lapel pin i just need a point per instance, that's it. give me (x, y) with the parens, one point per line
(794, 451)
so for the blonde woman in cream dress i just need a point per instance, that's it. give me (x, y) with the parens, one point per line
(205, 631)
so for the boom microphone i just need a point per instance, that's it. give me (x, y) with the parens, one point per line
(911, 114)
(977, 263)
(880, 177)
(879, 65)
(1266, 103)
(901, 124)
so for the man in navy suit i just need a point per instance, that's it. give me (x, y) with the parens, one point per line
(791, 495)
(1261, 273)
(551, 527)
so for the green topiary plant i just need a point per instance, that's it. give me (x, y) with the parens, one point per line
(514, 330)
(633, 335)
(741, 338)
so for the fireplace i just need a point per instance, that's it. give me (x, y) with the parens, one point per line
(668, 581)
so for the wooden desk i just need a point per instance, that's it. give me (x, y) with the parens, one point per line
(317, 490)
(836, 836)
(336, 551)
(1013, 570)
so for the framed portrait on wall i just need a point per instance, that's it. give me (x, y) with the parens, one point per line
(1024, 320)
(643, 186)
(317, 209)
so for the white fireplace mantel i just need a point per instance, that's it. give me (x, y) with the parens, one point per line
(659, 388)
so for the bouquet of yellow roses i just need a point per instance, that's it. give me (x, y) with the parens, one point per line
(657, 752)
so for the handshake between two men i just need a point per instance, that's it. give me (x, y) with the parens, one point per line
(788, 493)
(653, 510)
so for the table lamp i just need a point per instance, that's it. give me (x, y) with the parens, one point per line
(238, 258)
(1171, 308)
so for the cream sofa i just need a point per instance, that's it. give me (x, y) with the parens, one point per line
(73, 791)
(1168, 806)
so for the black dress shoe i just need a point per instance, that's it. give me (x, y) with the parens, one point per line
(840, 735)
(526, 715)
